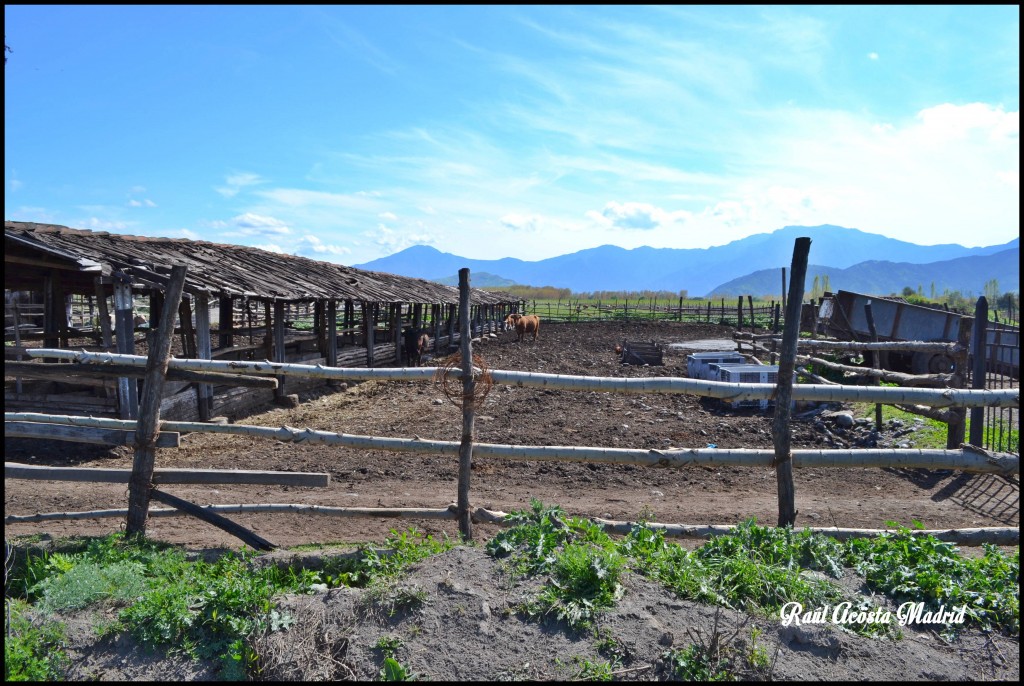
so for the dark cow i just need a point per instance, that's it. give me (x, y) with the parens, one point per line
(417, 343)
(529, 323)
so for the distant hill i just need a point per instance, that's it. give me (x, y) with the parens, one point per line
(699, 271)
(964, 274)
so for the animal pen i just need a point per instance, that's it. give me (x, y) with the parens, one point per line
(469, 374)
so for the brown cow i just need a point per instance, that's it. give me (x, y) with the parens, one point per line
(510, 321)
(529, 323)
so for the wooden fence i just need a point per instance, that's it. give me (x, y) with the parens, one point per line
(146, 430)
(744, 313)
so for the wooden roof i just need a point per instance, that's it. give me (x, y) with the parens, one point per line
(215, 269)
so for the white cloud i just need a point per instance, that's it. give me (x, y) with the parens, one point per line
(314, 244)
(270, 247)
(141, 203)
(249, 224)
(637, 215)
(872, 55)
(519, 222)
(387, 216)
(237, 182)
(191, 235)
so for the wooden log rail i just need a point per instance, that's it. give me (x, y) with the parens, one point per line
(967, 458)
(977, 536)
(949, 397)
(14, 470)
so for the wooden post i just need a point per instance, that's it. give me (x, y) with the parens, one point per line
(127, 389)
(979, 350)
(739, 313)
(875, 361)
(369, 329)
(784, 289)
(349, 322)
(226, 322)
(435, 317)
(777, 316)
(750, 304)
(103, 314)
(189, 347)
(956, 425)
(331, 353)
(149, 412)
(279, 352)
(320, 326)
(468, 387)
(396, 332)
(451, 328)
(268, 331)
(204, 351)
(784, 391)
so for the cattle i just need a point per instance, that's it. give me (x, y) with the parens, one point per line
(417, 343)
(527, 324)
(510, 321)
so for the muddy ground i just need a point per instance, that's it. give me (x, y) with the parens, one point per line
(824, 497)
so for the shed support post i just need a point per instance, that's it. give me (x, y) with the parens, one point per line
(226, 322)
(127, 389)
(204, 351)
(279, 353)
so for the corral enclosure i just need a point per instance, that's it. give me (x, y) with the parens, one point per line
(864, 498)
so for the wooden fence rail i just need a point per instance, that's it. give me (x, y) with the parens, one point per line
(968, 458)
(949, 397)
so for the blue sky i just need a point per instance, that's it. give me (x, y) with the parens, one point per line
(347, 133)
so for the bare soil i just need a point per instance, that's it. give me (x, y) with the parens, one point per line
(466, 630)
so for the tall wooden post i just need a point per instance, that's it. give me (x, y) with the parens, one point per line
(204, 351)
(956, 424)
(103, 314)
(876, 361)
(784, 391)
(127, 389)
(750, 305)
(468, 411)
(226, 322)
(148, 425)
(332, 333)
(279, 352)
(979, 349)
(783, 289)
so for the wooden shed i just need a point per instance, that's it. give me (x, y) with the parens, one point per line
(75, 289)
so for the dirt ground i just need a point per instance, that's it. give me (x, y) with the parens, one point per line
(864, 498)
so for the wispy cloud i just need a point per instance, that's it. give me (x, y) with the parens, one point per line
(249, 224)
(234, 183)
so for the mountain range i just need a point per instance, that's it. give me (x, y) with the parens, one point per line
(849, 257)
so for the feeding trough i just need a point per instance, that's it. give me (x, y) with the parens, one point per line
(641, 353)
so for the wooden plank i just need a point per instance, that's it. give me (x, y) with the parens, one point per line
(83, 434)
(223, 523)
(14, 470)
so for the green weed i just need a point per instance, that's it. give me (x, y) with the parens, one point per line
(32, 652)
(924, 569)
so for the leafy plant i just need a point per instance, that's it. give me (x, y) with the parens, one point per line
(915, 568)
(32, 652)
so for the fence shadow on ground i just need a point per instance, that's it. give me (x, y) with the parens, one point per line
(991, 495)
